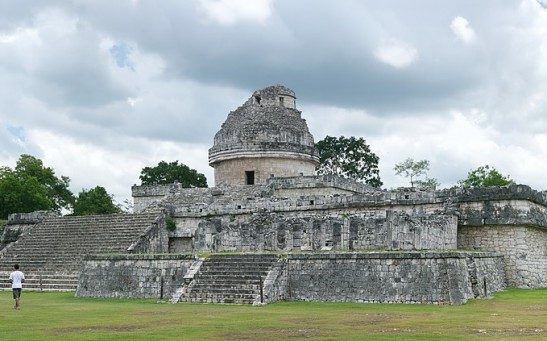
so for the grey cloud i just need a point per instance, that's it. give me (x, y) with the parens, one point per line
(322, 50)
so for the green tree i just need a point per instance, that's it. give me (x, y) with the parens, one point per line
(348, 157)
(168, 173)
(57, 187)
(485, 176)
(21, 193)
(95, 201)
(31, 186)
(415, 169)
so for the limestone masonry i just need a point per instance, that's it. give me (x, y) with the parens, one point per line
(273, 230)
(265, 137)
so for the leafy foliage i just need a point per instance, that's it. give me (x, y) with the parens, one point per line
(414, 169)
(485, 176)
(427, 183)
(31, 187)
(168, 173)
(21, 193)
(348, 157)
(170, 224)
(95, 201)
(57, 187)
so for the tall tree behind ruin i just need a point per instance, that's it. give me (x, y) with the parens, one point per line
(31, 187)
(57, 187)
(348, 157)
(95, 201)
(168, 173)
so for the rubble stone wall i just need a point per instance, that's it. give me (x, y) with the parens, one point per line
(132, 276)
(319, 230)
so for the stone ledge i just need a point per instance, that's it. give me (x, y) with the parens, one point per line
(394, 255)
(139, 257)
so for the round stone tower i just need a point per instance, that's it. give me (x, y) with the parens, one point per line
(265, 137)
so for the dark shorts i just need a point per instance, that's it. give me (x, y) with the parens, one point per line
(16, 293)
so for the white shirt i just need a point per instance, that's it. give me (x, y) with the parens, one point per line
(16, 278)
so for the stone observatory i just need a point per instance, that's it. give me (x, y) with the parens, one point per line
(272, 230)
(264, 138)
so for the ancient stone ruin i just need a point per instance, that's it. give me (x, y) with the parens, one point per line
(272, 230)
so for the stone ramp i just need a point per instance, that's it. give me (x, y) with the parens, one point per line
(229, 279)
(53, 250)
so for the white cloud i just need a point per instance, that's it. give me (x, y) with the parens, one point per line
(133, 101)
(7, 38)
(229, 12)
(396, 53)
(463, 30)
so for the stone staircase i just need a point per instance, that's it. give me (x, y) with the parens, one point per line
(51, 253)
(229, 279)
(43, 281)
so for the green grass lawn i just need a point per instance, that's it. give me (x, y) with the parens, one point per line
(512, 315)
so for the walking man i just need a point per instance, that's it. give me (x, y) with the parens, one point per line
(17, 278)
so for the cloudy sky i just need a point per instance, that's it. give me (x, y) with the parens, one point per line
(100, 89)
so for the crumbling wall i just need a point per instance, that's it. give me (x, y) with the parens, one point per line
(154, 240)
(145, 196)
(319, 230)
(421, 232)
(20, 223)
(418, 277)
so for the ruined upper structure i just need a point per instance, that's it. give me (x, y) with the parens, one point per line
(265, 137)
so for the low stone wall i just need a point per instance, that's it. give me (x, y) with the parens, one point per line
(132, 276)
(428, 277)
(410, 277)
(524, 249)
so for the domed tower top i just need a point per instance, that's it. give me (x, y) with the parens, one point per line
(264, 137)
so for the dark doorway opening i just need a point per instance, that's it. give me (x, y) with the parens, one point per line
(249, 177)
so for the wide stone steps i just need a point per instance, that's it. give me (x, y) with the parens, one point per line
(43, 281)
(63, 242)
(224, 287)
(221, 299)
(229, 279)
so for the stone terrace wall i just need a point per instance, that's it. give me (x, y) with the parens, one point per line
(511, 220)
(432, 278)
(473, 206)
(318, 230)
(524, 248)
(132, 276)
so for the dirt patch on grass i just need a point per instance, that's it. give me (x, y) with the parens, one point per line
(113, 328)
(155, 313)
(275, 334)
(368, 319)
(82, 329)
(512, 333)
